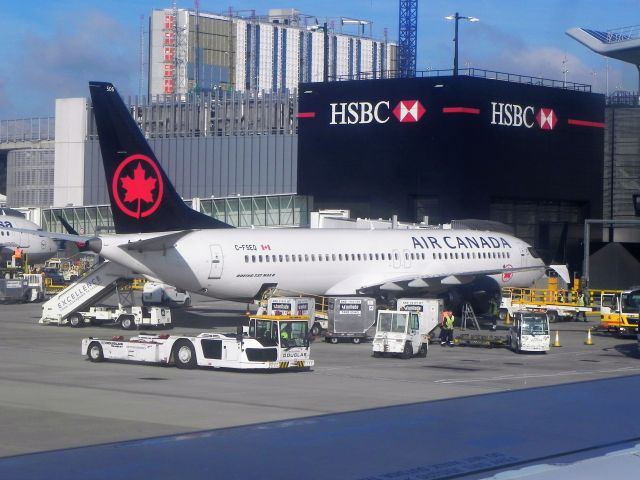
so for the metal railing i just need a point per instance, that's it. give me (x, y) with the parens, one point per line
(471, 72)
(616, 35)
(623, 99)
(27, 130)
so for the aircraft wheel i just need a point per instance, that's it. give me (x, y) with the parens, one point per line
(76, 321)
(94, 352)
(184, 354)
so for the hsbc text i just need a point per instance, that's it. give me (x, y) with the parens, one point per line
(359, 112)
(511, 115)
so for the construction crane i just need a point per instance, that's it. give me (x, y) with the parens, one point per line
(408, 38)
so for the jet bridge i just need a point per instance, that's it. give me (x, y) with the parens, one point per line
(97, 284)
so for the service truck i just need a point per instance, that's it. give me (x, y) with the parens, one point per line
(406, 332)
(349, 318)
(163, 295)
(529, 332)
(269, 342)
(127, 318)
(619, 311)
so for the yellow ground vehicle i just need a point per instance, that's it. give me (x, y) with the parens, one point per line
(619, 311)
(557, 304)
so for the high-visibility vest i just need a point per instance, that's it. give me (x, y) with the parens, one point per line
(18, 253)
(448, 322)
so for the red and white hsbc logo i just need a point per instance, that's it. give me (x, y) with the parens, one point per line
(512, 115)
(350, 113)
(408, 111)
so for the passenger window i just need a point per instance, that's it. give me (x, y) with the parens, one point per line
(286, 258)
(266, 258)
(333, 257)
(260, 258)
(246, 259)
(359, 258)
(299, 258)
(313, 257)
(253, 258)
(280, 257)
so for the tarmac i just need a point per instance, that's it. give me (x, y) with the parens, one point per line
(352, 416)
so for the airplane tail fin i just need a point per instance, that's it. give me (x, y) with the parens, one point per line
(142, 197)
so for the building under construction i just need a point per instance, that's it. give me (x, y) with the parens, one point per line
(194, 51)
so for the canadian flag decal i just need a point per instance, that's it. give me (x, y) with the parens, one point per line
(409, 111)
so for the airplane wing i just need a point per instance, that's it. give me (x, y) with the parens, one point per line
(367, 284)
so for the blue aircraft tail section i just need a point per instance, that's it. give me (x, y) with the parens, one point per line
(142, 197)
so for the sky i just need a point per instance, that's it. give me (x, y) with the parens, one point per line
(52, 49)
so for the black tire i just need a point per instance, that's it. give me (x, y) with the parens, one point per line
(184, 355)
(407, 352)
(333, 340)
(315, 330)
(94, 352)
(424, 349)
(127, 322)
(76, 320)
(502, 314)
(187, 303)
(356, 340)
(553, 316)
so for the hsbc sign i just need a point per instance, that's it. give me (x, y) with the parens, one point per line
(351, 113)
(513, 115)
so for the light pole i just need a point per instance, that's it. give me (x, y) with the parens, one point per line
(458, 17)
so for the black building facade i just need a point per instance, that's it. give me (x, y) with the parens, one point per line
(455, 147)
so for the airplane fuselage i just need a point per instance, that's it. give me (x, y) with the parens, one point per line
(37, 248)
(236, 263)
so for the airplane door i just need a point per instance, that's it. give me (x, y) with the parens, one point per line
(216, 261)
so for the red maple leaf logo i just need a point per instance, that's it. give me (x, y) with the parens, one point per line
(139, 187)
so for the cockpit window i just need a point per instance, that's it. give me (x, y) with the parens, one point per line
(533, 253)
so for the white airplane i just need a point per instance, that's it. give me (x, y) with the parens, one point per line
(34, 246)
(158, 235)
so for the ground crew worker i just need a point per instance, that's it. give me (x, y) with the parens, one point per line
(493, 313)
(580, 303)
(284, 334)
(447, 328)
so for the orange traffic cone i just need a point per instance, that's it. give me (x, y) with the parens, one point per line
(588, 341)
(557, 342)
